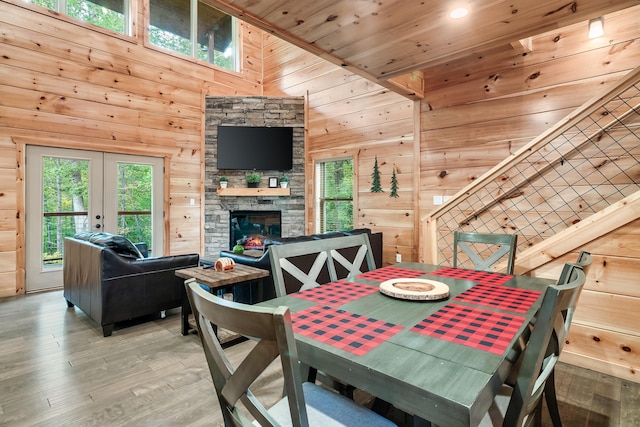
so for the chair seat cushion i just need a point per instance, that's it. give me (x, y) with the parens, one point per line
(327, 408)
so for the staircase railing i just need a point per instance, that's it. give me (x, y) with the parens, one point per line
(587, 162)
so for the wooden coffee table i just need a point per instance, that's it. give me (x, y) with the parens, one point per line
(208, 276)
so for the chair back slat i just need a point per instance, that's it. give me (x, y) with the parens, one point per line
(484, 250)
(544, 345)
(302, 265)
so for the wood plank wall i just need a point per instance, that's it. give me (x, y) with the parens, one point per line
(350, 116)
(478, 111)
(65, 84)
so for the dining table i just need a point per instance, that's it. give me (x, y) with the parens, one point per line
(442, 360)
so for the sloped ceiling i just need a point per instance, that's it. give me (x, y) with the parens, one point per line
(392, 41)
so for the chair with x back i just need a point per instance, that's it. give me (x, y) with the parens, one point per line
(304, 404)
(562, 330)
(303, 265)
(522, 403)
(484, 250)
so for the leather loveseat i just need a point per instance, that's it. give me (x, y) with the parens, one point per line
(106, 277)
(248, 293)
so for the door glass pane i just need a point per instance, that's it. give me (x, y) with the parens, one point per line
(65, 197)
(135, 197)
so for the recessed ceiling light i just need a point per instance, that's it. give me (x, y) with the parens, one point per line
(459, 12)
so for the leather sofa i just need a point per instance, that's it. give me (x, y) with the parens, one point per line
(248, 293)
(106, 277)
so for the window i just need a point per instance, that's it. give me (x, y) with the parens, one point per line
(194, 29)
(334, 189)
(110, 14)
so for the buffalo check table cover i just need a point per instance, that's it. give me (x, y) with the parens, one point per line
(502, 297)
(473, 327)
(486, 277)
(336, 293)
(341, 329)
(387, 273)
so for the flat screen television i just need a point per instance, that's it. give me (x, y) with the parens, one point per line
(254, 147)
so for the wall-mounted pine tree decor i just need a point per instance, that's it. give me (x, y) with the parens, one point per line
(375, 185)
(394, 184)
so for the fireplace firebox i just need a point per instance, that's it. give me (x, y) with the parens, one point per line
(251, 228)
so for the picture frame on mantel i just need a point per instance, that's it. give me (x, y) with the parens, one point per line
(273, 182)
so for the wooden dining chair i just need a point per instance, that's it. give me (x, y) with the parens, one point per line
(562, 330)
(303, 265)
(304, 404)
(484, 250)
(521, 404)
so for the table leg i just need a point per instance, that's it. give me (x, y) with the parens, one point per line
(185, 311)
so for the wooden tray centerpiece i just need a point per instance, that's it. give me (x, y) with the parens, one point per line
(415, 289)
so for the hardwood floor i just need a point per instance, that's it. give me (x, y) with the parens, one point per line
(56, 369)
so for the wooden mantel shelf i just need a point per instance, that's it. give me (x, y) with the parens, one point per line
(242, 192)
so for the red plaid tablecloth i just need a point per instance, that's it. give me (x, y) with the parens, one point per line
(387, 273)
(336, 293)
(473, 327)
(503, 297)
(347, 331)
(473, 275)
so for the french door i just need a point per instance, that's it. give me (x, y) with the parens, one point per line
(69, 191)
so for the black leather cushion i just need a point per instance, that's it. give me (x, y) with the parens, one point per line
(119, 244)
(284, 240)
(357, 231)
(328, 235)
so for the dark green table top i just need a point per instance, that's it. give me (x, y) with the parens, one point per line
(444, 382)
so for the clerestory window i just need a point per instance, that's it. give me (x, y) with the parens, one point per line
(194, 29)
(334, 195)
(188, 27)
(110, 14)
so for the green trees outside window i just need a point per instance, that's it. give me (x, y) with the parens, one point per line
(335, 195)
(65, 200)
(195, 29)
(109, 14)
(189, 27)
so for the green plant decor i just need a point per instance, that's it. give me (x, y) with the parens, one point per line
(375, 184)
(284, 179)
(224, 179)
(394, 184)
(238, 248)
(253, 179)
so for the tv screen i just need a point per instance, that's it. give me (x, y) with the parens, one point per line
(260, 148)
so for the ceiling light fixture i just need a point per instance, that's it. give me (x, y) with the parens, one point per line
(596, 27)
(459, 12)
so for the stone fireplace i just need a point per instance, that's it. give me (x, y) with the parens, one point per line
(251, 111)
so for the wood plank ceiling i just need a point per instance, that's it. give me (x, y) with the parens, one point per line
(391, 41)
